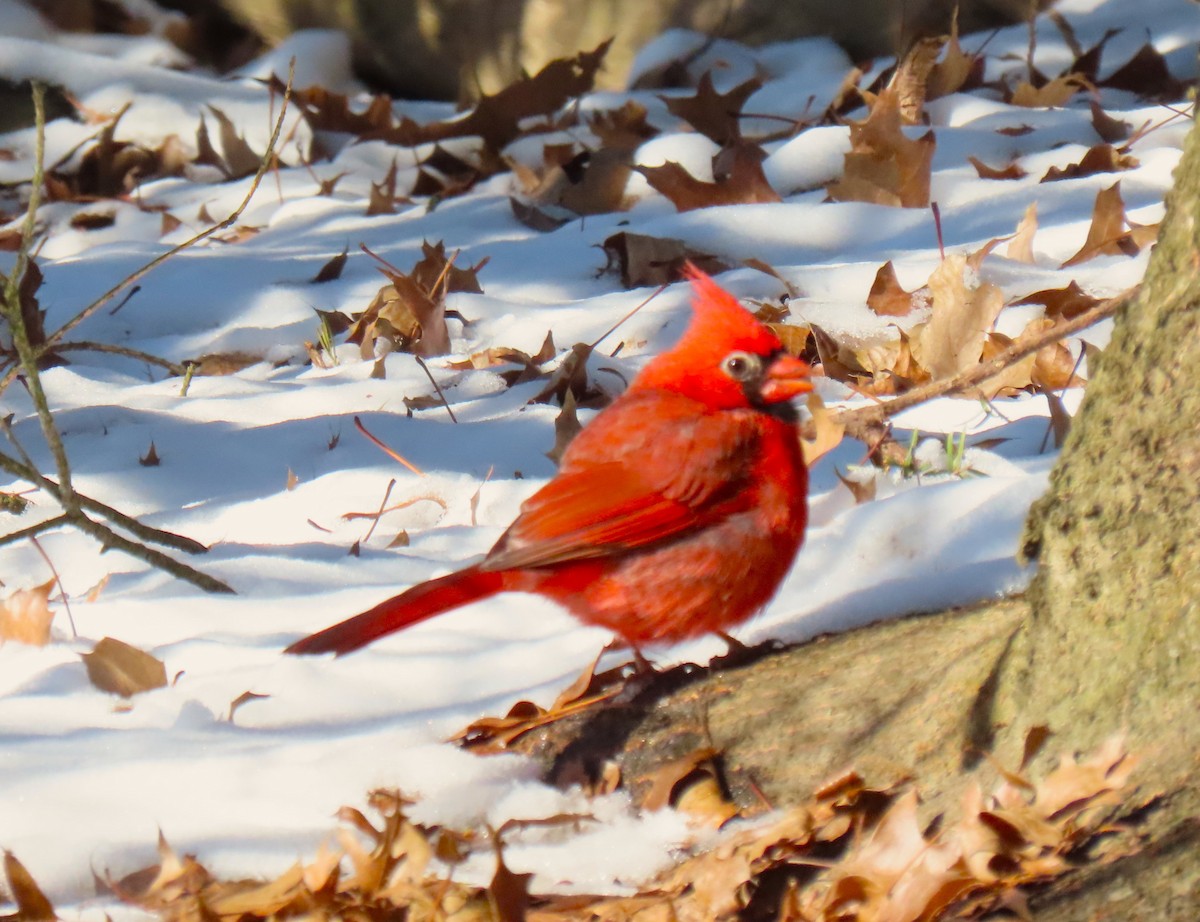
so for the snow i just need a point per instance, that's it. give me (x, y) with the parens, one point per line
(88, 781)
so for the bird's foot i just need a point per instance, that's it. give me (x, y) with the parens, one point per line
(739, 654)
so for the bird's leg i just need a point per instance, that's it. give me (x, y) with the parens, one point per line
(736, 647)
(739, 654)
(641, 665)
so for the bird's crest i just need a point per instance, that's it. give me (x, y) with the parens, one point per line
(719, 314)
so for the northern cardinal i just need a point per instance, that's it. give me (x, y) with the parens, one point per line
(676, 512)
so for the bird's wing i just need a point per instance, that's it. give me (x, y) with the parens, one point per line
(608, 502)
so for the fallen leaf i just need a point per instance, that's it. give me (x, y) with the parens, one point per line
(1066, 303)
(1010, 380)
(497, 118)
(150, 458)
(911, 79)
(742, 181)
(953, 337)
(120, 669)
(241, 699)
(332, 270)
(237, 158)
(884, 166)
(957, 71)
(828, 432)
(566, 427)
(25, 616)
(1110, 129)
(1052, 95)
(1147, 74)
(1107, 235)
(1102, 158)
(887, 298)
(508, 893)
(1012, 171)
(863, 490)
(645, 261)
(715, 115)
(1020, 246)
(625, 128)
(93, 220)
(32, 904)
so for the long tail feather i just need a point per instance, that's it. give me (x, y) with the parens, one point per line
(410, 607)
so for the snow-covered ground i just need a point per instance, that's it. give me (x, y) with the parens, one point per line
(86, 780)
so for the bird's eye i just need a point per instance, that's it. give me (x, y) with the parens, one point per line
(742, 366)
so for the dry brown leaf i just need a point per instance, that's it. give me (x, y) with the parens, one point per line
(1107, 235)
(739, 180)
(956, 71)
(1110, 129)
(911, 79)
(625, 128)
(120, 669)
(592, 182)
(828, 432)
(793, 336)
(715, 115)
(1053, 366)
(1102, 158)
(887, 298)
(32, 904)
(383, 198)
(645, 261)
(566, 427)
(497, 118)
(1147, 74)
(1020, 246)
(332, 270)
(25, 616)
(1066, 303)
(1052, 95)
(953, 337)
(495, 734)
(884, 166)
(409, 311)
(1012, 171)
(863, 491)
(1013, 378)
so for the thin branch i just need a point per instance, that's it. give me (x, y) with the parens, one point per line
(436, 387)
(109, 538)
(62, 590)
(30, 531)
(394, 455)
(27, 353)
(131, 525)
(144, 270)
(177, 369)
(862, 423)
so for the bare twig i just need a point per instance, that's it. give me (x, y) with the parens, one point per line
(30, 531)
(436, 387)
(175, 368)
(394, 455)
(28, 355)
(265, 164)
(144, 532)
(109, 538)
(379, 514)
(62, 590)
(863, 423)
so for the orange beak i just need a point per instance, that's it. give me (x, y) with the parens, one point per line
(786, 377)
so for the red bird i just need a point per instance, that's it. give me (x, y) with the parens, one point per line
(675, 513)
